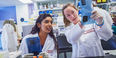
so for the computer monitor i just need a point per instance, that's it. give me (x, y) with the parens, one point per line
(33, 45)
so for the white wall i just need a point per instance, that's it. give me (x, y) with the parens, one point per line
(21, 12)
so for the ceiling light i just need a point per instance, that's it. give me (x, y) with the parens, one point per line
(26, 1)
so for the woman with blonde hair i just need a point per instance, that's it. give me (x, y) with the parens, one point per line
(85, 39)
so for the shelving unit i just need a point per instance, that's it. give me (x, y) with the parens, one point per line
(50, 9)
(55, 9)
(104, 6)
(110, 6)
(113, 8)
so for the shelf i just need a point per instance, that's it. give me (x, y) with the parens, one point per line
(112, 2)
(114, 12)
(50, 9)
(103, 4)
(109, 3)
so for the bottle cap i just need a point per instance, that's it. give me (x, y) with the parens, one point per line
(40, 56)
(34, 56)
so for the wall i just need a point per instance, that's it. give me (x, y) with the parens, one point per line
(8, 12)
(21, 12)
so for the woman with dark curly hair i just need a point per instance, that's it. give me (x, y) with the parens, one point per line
(44, 32)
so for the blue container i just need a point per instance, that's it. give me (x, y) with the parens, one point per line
(0, 42)
(34, 45)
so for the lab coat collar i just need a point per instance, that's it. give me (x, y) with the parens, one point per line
(48, 43)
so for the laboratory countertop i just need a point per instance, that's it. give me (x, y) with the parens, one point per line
(110, 56)
(111, 52)
(15, 54)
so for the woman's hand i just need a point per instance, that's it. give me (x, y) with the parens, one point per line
(81, 26)
(97, 17)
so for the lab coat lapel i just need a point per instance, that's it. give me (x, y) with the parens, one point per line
(48, 44)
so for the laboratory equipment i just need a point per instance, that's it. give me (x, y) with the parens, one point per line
(34, 45)
(86, 9)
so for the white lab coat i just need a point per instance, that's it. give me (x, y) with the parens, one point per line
(49, 45)
(9, 38)
(89, 44)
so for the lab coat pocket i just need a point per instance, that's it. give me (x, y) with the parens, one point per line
(52, 53)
